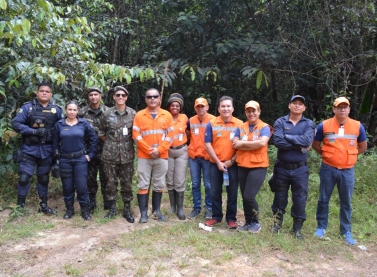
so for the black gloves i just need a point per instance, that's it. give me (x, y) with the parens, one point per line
(40, 132)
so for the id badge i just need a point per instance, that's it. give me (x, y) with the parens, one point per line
(255, 138)
(341, 132)
(196, 131)
(180, 137)
(163, 137)
(125, 131)
(231, 135)
(244, 138)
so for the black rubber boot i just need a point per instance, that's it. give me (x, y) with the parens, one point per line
(106, 204)
(21, 201)
(70, 210)
(173, 205)
(127, 212)
(112, 209)
(143, 206)
(92, 202)
(156, 205)
(278, 222)
(297, 226)
(43, 206)
(179, 197)
(85, 211)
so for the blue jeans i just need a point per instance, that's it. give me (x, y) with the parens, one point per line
(345, 181)
(74, 174)
(298, 180)
(198, 165)
(216, 177)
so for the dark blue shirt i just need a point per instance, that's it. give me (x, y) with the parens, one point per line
(70, 139)
(290, 139)
(319, 134)
(39, 151)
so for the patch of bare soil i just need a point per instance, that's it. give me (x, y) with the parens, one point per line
(62, 250)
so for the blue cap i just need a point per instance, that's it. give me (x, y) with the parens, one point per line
(294, 97)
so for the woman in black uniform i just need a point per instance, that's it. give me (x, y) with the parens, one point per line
(68, 146)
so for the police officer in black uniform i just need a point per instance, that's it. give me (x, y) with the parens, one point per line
(35, 121)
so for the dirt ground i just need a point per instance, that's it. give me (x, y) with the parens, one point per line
(62, 249)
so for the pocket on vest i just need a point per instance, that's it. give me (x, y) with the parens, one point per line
(352, 156)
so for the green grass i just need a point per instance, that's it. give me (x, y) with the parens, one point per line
(160, 242)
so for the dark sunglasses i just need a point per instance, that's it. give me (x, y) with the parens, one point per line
(121, 95)
(152, 96)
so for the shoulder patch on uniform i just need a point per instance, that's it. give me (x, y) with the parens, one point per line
(20, 110)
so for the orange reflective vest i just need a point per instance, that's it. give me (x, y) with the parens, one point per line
(257, 157)
(222, 137)
(339, 150)
(197, 129)
(179, 132)
(151, 132)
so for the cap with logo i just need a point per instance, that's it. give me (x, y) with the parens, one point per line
(201, 101)
(295, 97)
(341, 100)
(252, 104)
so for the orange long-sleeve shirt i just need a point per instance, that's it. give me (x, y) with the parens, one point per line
(149, 132)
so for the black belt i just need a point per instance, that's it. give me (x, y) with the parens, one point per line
(73, 155)
(178, 147)
(291, 166)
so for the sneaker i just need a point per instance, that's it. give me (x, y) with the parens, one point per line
(212, 222)
(255, 228)
(232, 224)
(246, 227)
(348, 238)
(208, 214)
(193, 214)
(320, 233)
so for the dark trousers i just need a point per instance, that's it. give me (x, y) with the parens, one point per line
(74, 174)
(95, 166)
(216, 177)
(43, 168)
(251, 180)
(297, 179)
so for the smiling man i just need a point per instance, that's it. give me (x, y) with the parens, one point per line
(199, 158)
(153, 135)
(118, 152)
(293, 135)
(219, 135)
(338, 140)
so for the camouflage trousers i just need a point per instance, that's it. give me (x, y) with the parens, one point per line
(94, 166)
(122, 173)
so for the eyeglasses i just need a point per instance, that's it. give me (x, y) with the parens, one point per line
(152, 96)
(121, 95)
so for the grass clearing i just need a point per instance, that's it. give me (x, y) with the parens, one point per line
(117, 248)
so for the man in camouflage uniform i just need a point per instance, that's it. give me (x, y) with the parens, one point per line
(118, 152)
(92, 113)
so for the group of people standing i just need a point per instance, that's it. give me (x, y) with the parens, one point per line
(224, 150)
